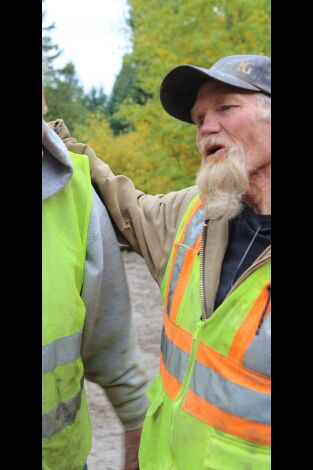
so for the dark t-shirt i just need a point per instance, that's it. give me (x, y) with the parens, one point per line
(249, 235)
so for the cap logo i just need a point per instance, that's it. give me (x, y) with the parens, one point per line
(245, 67)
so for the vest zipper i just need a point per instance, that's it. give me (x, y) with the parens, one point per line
(244, 275)
(264, 310)
(202, 275)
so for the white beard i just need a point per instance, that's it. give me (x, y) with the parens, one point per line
(222, 181)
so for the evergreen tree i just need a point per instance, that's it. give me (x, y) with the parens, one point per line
(125, 89)
(135, 135)
(65, 97)
(50, 50)
(96, 100)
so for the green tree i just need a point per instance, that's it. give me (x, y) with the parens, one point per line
(65, 97)
(64, 94)
(157, 151)
(165, 34)
(96, 100)
(125, 89)
(50, 50)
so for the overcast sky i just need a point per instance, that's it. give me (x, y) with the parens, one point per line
(92, 34)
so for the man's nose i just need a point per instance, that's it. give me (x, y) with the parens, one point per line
(210, 125)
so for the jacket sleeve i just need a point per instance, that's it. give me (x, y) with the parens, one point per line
(109, 349)
(148, 223)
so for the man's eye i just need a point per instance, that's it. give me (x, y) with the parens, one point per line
(226, 107)
(200, 120)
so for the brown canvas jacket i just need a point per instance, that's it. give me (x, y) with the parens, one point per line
(148, 223)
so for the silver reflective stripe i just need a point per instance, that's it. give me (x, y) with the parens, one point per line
(231, 397)
(175, 360)
(208, 384)
(62, 351)
(192, 233)
(194, 228)
(180, 257)
(258, 355)
(65, 413)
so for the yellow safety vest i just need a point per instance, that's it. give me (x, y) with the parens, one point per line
(210, 403)
(66, 425)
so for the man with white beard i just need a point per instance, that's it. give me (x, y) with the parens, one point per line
(208, 247)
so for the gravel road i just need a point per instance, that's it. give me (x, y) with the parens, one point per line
(107, 450)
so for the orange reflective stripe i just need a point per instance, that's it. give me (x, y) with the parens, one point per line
(198, 243)
(195, 208)
(177, 335)
(175, 248)
(249, 326)
(171, 385)
(226, 422)
(184, 278)
(231, 370)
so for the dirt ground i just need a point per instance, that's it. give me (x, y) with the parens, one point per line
(107, 449)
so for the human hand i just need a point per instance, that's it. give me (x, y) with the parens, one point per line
(131, 443)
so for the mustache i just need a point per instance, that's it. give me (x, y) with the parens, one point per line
(205, 141)
(222, 183)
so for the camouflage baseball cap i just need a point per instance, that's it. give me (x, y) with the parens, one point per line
(180, 86)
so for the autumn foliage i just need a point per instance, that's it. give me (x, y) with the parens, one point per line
(157, 151)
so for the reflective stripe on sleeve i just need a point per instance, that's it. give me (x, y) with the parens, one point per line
(65, 413)
(60, 352)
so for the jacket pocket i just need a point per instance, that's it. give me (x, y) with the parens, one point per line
(155, 396)
(225, 452)
(154, 451)
(258, 356)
